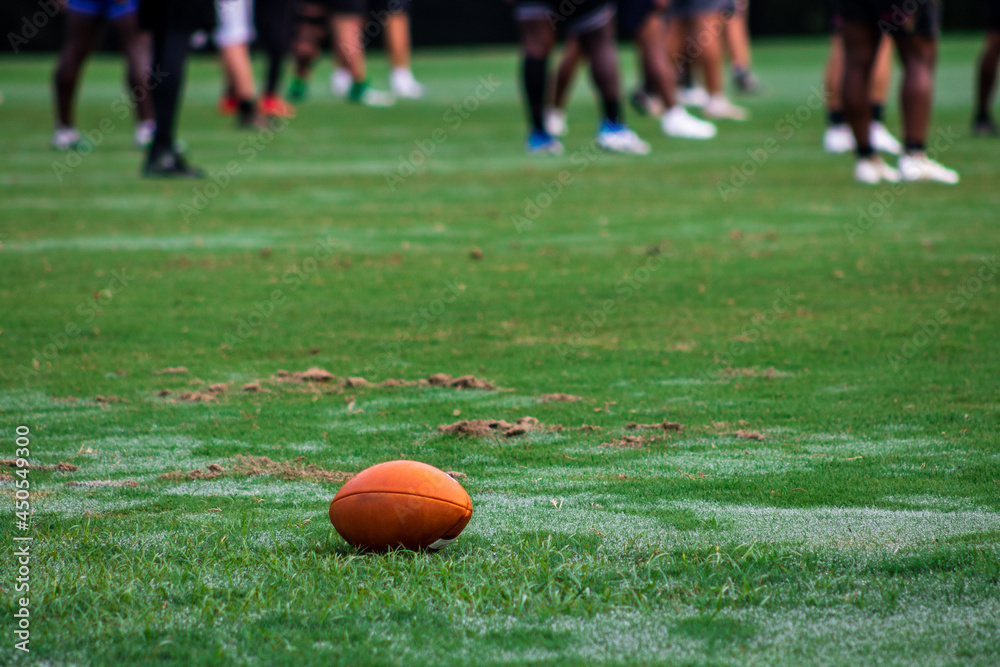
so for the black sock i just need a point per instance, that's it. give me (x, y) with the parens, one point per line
(915, 146)
(612, 110)
(170, 49)
(684, 80)
(865, 151)
(246, 110)
(983, 117)
(836, 117)
(534, 78)
(274, 67)
(878, 112)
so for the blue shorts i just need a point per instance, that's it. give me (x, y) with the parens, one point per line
(112, 9)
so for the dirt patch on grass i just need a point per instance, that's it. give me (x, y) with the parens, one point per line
(628, 442)
(58, 467)
(104, 483)
(479, 428)
(248, 466)
(173, 370)
(105, 400)
(218, 388)
(662, 426)
(749, 435)
(461, 382)
(196, 397)
(559, 398)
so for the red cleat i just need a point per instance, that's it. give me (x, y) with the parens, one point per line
(228, 105)
(272, 105)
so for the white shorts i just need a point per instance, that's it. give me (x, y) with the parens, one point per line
(235, 22)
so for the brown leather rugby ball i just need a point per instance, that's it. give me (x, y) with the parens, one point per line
(400, 504)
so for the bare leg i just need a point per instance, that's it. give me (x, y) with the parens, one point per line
(309, 32)
(650, 41)
(397, 39)
(237, 65)
(82, 32)
(707, 30)
(599, 46)
(138, 49)
(833, 78)
(882, 74)
(860, 46)
(566, 73)
(919, 56)
(738, 37)
(348, 47)
(986, 83)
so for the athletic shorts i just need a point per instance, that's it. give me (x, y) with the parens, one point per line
(112, 9)
(576, 16)
(234, 22)
(685, 9)
(348, 6)
(391, 6)
(993, 15)
(912, 17)
(632, 14)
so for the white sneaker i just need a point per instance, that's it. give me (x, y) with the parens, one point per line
(65, 138)
(144, 132)
(882, 140)
(402, 84)
(839, 139)
(371, 97)
(873, 171)
(695, 96)
(555, 122)
(616, 138)
(719, 106)
(677, 122)
(340, 82)
(919, 167)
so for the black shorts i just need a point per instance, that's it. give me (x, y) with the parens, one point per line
(632, 14)
(993, 15)
(912, 17)
(685, 9)
(391, 6)
(576, 16)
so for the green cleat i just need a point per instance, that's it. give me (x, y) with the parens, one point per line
(298, 91)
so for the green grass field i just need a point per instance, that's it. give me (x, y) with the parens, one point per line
(830, 350)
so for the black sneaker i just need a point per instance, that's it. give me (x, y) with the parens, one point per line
(170, 164)
(984, 127)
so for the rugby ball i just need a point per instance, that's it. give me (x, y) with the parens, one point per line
(401, 504)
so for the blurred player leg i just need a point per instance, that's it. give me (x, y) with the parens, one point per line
(838, 137)
(397, 43)
(274, 19)
(650, 39)
(916, 42)
(233, 36)
(983, 124)
(348, 23)
(170, 46)
(738, 41)
(137, 46)
(310, 27)
(555, 115)
(537, 39)
(82, 33)
(707, 26)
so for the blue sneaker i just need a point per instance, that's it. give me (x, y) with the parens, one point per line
(543, 142)
(617, 138)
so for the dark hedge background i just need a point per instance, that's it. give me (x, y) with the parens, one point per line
(462, 22)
